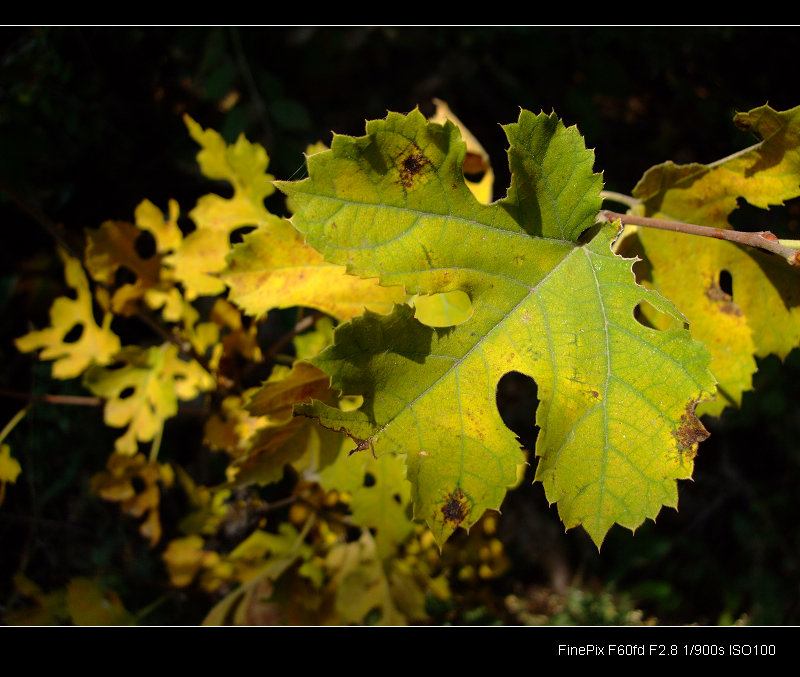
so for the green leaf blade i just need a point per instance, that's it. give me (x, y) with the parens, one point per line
(616, 397)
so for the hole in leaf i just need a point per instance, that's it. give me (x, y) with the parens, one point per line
(474, 167)
(124, 275)
(145, 245)
(74, 334)
(588, 234)
(138, 484)
(517, 399)
(648, 316)
(443, 310)
(475, 177)
(126, 392)
(397, 499)
(726, 282)
(237, 235)
(369, 479)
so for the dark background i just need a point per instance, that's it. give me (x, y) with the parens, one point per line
(91, 124)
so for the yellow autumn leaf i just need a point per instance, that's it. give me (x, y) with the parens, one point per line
(112, 247)
(134, 483)
(96, 345)
(185, 557)
(740, 302)
(144, 390)
(274, 268)
(9, 469)
(200, 257)
(91, 603)
(9, 466)
(165, 231)
(476, 160)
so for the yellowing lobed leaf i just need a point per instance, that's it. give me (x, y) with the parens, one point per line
(261, 558)
(378, 504)
(285, 439)
(140, 500)
(111, 247)
(762, 316)
(617, 398)
(95, 345)
(165, 231)
(144, 390)
(274, 268)
(201, 254)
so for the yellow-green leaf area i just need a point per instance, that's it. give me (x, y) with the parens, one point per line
(764, 174)
(740, 302)
(617, 398)
(380, 494)
(273, 268)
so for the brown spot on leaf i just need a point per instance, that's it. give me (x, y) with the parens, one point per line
(410, 165)
(456, 507)
(723, 300)
(690, 432)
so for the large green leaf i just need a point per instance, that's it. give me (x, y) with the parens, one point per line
(616, 398)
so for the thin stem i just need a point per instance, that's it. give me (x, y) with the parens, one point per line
(621, 198)
(761, 240)
(156, 443)
(300, 327)
(54, 399)
(10, 425)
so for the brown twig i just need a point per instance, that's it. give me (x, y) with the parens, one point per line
(761, 240)
(300, 327)
(53, 399)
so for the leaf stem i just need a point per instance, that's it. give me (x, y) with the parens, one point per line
(761, 240)
(628, 200)
(54, 399)
(10, 425)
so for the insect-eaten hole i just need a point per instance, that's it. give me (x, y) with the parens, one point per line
(74, 334)
(124, 275)
(648, 316)
(447, 309)
(588, 235)
(145, 245)
(475, 167)
(126, 392)
(726, 282)
(369, 479)
(237, 235)
(517, 399)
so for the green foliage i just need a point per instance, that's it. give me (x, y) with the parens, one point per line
(438, 295)
(617, 399)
